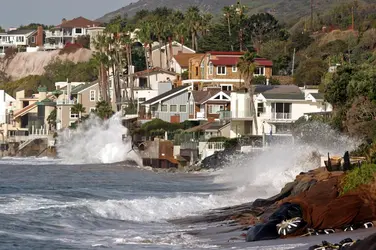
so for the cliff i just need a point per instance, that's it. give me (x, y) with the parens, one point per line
(24, 64)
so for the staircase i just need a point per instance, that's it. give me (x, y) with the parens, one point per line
(24, 144)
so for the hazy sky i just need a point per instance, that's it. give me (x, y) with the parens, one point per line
(17, 12)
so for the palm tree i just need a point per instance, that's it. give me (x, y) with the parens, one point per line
(78, 109)
(247, 67)
(103, 110)
(144, 34)
(180, 32)
(194, 24)
(227, 12)
(100, 59)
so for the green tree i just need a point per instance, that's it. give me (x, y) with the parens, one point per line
(103, 110)
(78, 108)
(51, 119)
(262, 27)
(310, 72)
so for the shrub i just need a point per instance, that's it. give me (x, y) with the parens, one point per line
(358, 176)
(218, 139)
(231, 143)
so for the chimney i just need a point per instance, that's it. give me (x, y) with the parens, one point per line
(39, 41)
(267, 81)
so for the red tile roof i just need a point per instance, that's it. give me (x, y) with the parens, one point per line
(225, 53)
(233, 60)
(264, 62)
(79, 22)
(226, 61)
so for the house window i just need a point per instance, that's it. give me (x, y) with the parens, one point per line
(143, 82)
(92, 109)
(78, 31)
(32, 40)
(164, 107)
(214, 109)
(191, 109)
(73, 115)
(183, 108)
(260, 71)
(173, 108)
(196, 71)
(71, 123)
(211, 68)
(234, 68)
(141, 99)
(281, 111)
(221, 70)
(92, 95)
(226, 87)
(260, 108)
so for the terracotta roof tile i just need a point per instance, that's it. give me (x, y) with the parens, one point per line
(79, 22)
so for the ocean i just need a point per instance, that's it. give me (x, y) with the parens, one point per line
(91, 197)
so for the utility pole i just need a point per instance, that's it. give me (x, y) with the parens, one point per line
(293, 63)
(311, 15)
(352, 18)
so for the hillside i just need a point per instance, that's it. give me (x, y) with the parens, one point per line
(284, 10)
(25, 64)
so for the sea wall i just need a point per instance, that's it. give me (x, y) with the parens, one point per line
(24, 64)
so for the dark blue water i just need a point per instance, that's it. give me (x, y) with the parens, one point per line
(44, 205)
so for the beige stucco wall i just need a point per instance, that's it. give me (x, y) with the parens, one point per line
(176, 48)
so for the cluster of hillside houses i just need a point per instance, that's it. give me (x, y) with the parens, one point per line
(213, 94)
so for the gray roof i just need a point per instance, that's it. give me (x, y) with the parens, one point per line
(81, 87)
(318, 96)
(20, 32)
(161, 96)
(284, 96)
(277, 89)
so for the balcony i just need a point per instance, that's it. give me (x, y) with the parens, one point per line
(57, 33)
(281, 116)
(53, 46)
(225, 115)
(65, 102)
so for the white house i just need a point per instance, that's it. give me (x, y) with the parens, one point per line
(277, 107)
(68, 32)
(158, 55)
(7, 104)
(19, 38)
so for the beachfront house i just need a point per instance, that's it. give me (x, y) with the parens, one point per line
(171, 106)
(72, 93)
(277, 107)
(68, 32)
(206, 104)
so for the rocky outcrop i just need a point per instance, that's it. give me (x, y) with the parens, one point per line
(24, 64)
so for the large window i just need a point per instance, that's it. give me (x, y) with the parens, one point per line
(92, 95)
(281, 111)
(221, 70)
(260, 71)
(214, 109)
(78, 31)
(164, 108)
(173, 108)
(183, 108)
(191, 108)
(211, 68)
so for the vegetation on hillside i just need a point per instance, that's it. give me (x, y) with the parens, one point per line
(357, 177)
(55, 71)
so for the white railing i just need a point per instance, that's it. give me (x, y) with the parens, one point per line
(50, 34)
(215, 146)
(62, 102)
(53, 45)
(281, 116)
(241, 114)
